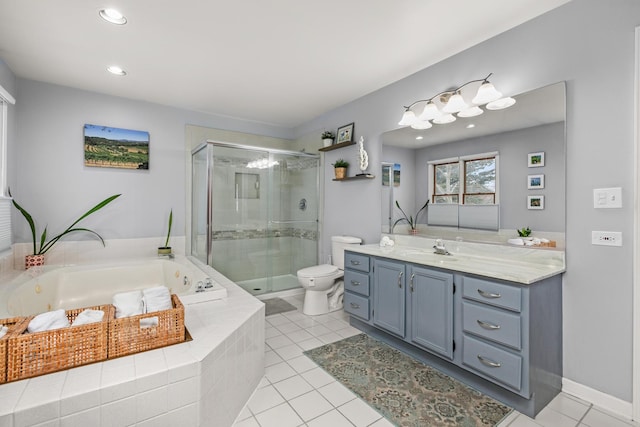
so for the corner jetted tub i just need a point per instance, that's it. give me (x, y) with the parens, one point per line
(202, 382)
(69, 287)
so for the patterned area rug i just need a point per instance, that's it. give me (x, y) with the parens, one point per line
(405, 391)
(276, 305)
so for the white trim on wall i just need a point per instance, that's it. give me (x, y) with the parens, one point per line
(605, 401)
(635, 394)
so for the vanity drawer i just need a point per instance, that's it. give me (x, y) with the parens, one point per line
(498, 294)
(356, 262)
(493, 324)
(492, 361)
(356, 282)
(356, 305)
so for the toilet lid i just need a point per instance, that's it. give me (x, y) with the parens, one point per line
(318, 271)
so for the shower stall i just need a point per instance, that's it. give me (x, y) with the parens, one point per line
(255, 213)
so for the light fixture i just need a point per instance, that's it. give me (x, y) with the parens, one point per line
(501, 104)
(470, 126)
(419, 137)
(114, 69)
(464, 101)
(421, 125)
(113, 16)
(471, 112)
(444, 119)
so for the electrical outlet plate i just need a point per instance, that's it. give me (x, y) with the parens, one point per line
(606, 238)
(607, 198)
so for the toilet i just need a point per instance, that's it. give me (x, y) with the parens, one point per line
(322, 283)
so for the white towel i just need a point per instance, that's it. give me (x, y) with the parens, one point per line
(157, 299)
(88, 316)
(3, 330)
(128, 304)
(47, 321)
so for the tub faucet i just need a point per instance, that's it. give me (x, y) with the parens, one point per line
(440, 249)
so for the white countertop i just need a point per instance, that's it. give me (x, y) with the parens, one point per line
(514, 264)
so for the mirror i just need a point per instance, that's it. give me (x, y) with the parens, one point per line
(535, 124)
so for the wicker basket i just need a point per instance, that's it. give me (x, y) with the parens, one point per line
(29, 355)
(128, 336)
(12, 323)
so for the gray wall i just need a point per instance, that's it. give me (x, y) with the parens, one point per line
(513, 148)
(590, 45)
(49, 179)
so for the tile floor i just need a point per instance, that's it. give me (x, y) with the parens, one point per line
(296, 392)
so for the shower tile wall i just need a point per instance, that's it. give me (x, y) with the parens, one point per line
(244, 245)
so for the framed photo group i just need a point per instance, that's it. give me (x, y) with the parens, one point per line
(536, 181)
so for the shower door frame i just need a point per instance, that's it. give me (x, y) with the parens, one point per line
(209, 145)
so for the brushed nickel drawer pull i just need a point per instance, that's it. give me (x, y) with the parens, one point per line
(354, 262)
(488, 294)
(488, 362)
(487, 325)
(355, 283)
(354, 305)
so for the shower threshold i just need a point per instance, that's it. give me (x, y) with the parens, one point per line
(278, 283)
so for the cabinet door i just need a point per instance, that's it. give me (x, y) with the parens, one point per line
(431, 299)
(389, 297)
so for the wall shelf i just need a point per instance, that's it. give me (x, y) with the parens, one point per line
(356, 177)
(336, 146)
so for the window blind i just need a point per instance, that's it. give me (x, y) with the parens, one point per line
(5, 223)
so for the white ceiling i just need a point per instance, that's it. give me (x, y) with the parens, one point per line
(281, 62)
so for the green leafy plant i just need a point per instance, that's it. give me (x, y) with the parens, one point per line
(340, 163)
(409, 219)
(46, 245)
(166, 243)
(524, 232)
(327, 134)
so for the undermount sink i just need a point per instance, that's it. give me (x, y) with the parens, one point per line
(426, 253)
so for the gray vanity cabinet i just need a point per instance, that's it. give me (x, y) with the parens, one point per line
(389, 301)
(430, 296)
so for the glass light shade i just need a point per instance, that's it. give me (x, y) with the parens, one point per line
(408, 118)
(455, 103)
(113, 16)
(471, 112)
(430, 112)
(501, 103)
(444, 119)
(486, 93)
(421, 125)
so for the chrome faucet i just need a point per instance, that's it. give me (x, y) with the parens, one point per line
(440, 249)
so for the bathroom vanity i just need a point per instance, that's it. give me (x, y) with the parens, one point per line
(488, 315)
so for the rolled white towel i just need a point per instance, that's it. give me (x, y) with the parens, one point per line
(47, 321)
(3, 331)
(88, 316)
(128, 304)
(157, 299)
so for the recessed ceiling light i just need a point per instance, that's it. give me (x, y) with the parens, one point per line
(113, 16)
(470, 126)
(419, 137)
(114, 69)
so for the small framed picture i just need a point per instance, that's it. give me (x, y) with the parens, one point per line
(535, 202)
(536, 160)
(535, 182)
(345, 134)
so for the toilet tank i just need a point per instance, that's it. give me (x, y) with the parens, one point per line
(338, 246)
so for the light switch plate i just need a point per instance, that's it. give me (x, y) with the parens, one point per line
(607, 198)
(606, 238)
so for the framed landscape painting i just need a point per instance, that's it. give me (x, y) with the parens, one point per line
(108, 147)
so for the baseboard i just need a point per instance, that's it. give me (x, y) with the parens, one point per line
(605, 401)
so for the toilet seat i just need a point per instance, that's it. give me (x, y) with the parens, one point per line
(318, 271)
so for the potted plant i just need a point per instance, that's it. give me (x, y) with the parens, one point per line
(413, 222)
(166, 249)
(37, 257)
(524, 232)
(341, 168)
(327, 138)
